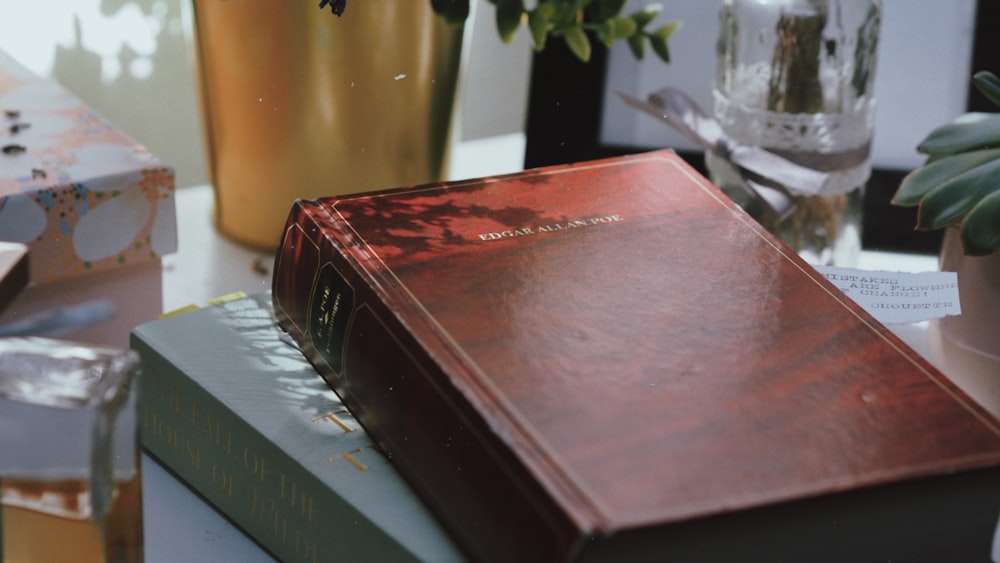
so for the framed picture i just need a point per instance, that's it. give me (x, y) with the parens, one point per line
(927, 52)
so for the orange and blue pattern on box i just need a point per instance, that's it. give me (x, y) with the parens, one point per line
(79, 192)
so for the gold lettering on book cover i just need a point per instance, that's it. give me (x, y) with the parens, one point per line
(550, 227)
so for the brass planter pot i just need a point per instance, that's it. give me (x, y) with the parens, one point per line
(298, 103)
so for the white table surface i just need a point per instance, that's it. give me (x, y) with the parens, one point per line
(179, 525)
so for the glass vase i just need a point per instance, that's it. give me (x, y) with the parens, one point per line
(796, 77)
(70, 471)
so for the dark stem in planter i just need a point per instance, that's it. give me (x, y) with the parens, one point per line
(795, 88)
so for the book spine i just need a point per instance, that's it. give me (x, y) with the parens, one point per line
(276, 502)
(400, 393)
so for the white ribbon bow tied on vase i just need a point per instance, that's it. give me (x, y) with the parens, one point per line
(769, 176)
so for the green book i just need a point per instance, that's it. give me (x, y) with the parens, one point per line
(240, 415)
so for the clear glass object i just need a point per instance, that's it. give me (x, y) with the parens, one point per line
(70, 480)
(797, 77)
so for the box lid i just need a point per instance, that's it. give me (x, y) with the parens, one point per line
(79, 192)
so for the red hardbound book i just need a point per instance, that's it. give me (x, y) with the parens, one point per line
(611, 361)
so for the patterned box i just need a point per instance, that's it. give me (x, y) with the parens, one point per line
(92, 205)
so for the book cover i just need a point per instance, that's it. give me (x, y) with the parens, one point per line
(241, 416)
(610, 359)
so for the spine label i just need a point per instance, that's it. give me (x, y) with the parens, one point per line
(331, 309)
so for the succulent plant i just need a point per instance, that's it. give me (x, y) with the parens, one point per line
(959, 184)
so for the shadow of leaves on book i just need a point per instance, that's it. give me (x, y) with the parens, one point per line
(301, 386)
(432, 221)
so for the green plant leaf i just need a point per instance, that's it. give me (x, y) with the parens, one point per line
(615, 29)
(606, 34)
(667, 30)
(509, 14)
(645, 15)
(637, 43)
(947, 203)
(538, 24)
(918, 183)
(624, 28)
(600, 12)
(547, 9)
(981, 227)
(658, 40)
(578, 21)
(988, 85)
(577, 40)
(454, 11)
(567, 11)
(970, 131)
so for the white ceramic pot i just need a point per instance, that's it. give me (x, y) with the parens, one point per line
(977, 329)
(966, 347)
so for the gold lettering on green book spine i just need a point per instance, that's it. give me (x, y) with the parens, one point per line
(153, 424)
(290, 461)
(159, 426)
(296, 497)
(210, 426)
(223, 480)
(198, 436)
(266, 511)
(256, 464)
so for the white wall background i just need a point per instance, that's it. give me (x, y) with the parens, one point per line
(131, 60)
